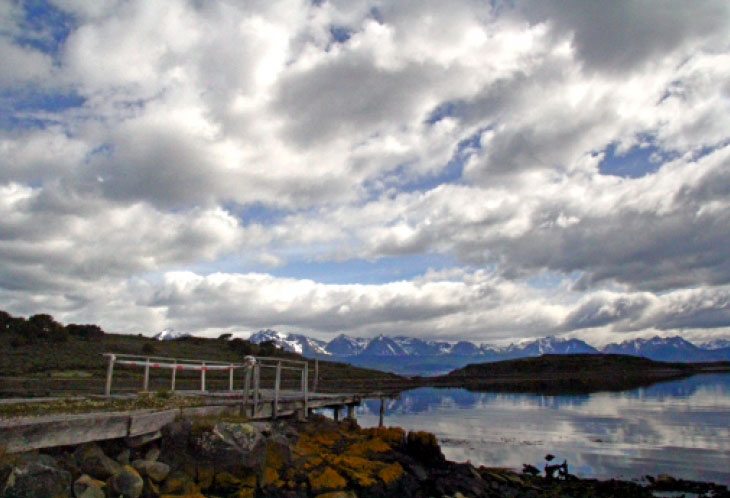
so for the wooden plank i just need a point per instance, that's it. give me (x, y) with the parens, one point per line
(144, 423)
(29, 434)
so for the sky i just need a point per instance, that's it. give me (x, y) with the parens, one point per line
(480, 170)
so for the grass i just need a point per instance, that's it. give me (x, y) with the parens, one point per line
(153, 401)
(76, 366)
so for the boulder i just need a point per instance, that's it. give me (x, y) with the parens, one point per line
(123, 456)
(36, 479)
(127, 483)
(230, 445)
(88, 487)
(178, 483)
(424, 447)
(91, 460)
(141, 440)
(157, 471)
(152, 454)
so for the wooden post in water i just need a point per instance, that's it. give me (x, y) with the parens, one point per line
(202, 377)
(256, 394)
(230, 378)
(146, 384)
(174, 373)
(277, 385)
(382, 412)
(109, 373)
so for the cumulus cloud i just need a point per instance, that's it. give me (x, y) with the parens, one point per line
(166, 155)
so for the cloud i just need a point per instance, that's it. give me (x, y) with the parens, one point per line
(165, 155)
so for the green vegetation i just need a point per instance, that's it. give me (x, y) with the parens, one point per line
(42, 357)
(574, 373)
(84, 405)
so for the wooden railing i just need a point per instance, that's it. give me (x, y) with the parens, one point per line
(251, 367)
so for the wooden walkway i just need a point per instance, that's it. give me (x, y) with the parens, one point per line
(28, 433)
(253, 402)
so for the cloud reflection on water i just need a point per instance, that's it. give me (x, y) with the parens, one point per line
(680, 427)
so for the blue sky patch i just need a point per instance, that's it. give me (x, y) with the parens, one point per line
(340, 34)
(44, 26)
(638, 161)
(257, 213)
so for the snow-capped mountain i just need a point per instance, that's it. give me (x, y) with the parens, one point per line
(415, 346)
(549, 345)
(414, 356)
(465, 348)
(383, 346)
(296, 343)
(169, 335)
(344, 345)
(661, 349)
(716, 344)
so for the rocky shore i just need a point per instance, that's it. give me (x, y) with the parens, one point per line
(318, 458)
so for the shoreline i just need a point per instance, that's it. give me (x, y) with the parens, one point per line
(318, 458)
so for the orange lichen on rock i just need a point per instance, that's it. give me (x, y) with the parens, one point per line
(271, 477)
(245, 493)
(393, 436)
(227, 481)
(328, 479)
(390, 472)
(362, 448)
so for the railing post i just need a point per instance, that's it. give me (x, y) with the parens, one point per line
(277, 385)
(246, 388)
(316, 374)
(174, 373)
(202, 377)
(256, 385)
(109, 373)
(230, 378)
(306, 389)
(146, 385)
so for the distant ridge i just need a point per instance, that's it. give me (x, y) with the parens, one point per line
(413, 356)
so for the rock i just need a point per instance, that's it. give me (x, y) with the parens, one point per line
(37, 480)
(424, 447)
(157, 471)
(337, 494)
(151, 488)
(88, 487)
(127, 482)
(141, 440)
(123, 456)
(204, 476)
(91, 460)
(227, 482)
(152, 454)
(178, 483)
(326, 480)
(230, 445)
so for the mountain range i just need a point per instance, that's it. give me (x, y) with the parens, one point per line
(413, 356)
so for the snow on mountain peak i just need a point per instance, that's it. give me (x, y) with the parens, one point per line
(169, 334)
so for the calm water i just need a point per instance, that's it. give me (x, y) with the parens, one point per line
(681, 428)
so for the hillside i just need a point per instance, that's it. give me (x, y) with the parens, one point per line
(570, 373)
(41, 357)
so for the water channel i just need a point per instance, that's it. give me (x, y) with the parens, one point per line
(681, 428)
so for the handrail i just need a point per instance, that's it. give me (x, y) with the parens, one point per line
(251, 365)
